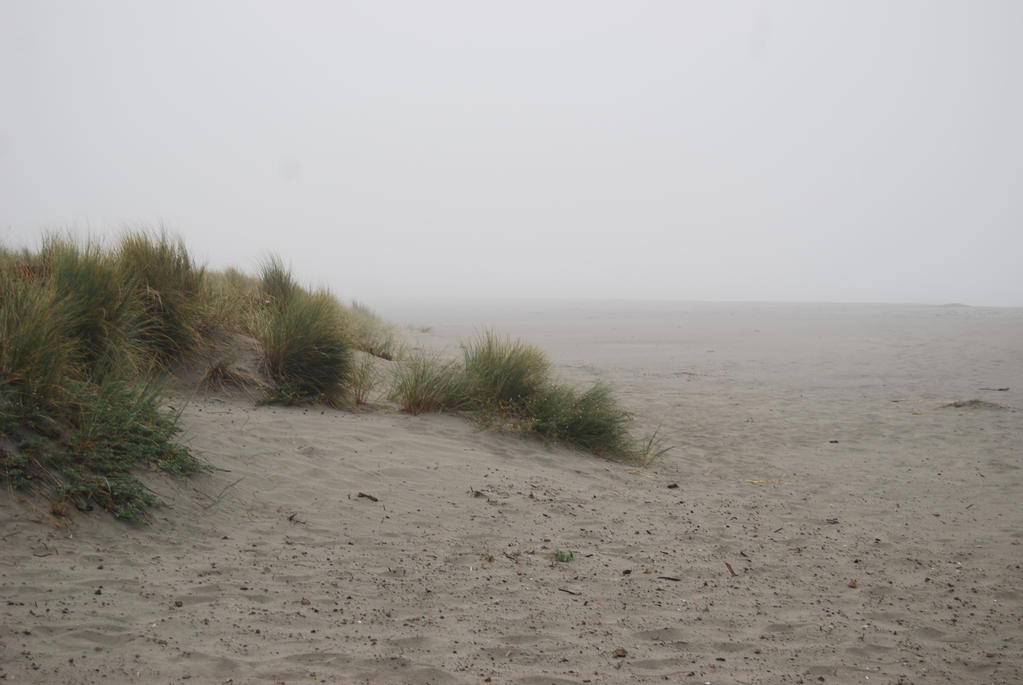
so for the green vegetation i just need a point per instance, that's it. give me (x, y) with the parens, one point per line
(80, 332)
(171, 290)
(87, 334)
(502, 373)
(306, 350)
(563, 557)
(508, 383)
(425, 384)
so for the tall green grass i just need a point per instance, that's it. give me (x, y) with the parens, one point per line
(78, 411)
(276, 283)
(107, 318)
(37, 353)
(171, 290)
(306, 350)
(232, 299)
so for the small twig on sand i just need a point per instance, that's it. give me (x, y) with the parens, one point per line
(730, 569)
(371, 498)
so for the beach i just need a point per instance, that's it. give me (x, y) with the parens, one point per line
(840, 503)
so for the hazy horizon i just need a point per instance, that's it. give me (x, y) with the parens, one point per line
(685, 151)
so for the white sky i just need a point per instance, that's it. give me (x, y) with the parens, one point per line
(802, 151)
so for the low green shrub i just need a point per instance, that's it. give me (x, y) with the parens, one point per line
(116, 427)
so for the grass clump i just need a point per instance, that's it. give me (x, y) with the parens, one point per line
(503, 373)
(563, 557)
(306, 351)
(276, 284)
(591, 420)
(106, 317)
(170, 289)
(364, 378)
(233, 298)
(78, 412)
(37, 353)
(508, 383)
(424, 384)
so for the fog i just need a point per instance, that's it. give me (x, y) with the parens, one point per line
(788, 151)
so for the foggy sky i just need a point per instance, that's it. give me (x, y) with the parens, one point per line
(794, 151)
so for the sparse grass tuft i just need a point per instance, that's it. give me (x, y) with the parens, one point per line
(563, 557)
(233, 298)
(365, 377)
(423, 384)
(223, 375)
(371, 334)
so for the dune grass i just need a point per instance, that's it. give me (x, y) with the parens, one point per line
(508, 382)
(307, 352)
(170, 287)
(78, 410)
(591, 420)
(87, 333)
(503, 373)
(425, 384)
(36, 352)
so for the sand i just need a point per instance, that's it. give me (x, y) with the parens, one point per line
(836, 508)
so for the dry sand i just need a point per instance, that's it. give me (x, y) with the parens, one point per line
(833, 521)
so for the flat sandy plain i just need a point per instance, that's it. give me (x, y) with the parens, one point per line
(843, 503)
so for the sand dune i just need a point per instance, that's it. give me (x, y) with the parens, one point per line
(841, 505)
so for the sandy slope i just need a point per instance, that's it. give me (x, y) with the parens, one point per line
(874, 533)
